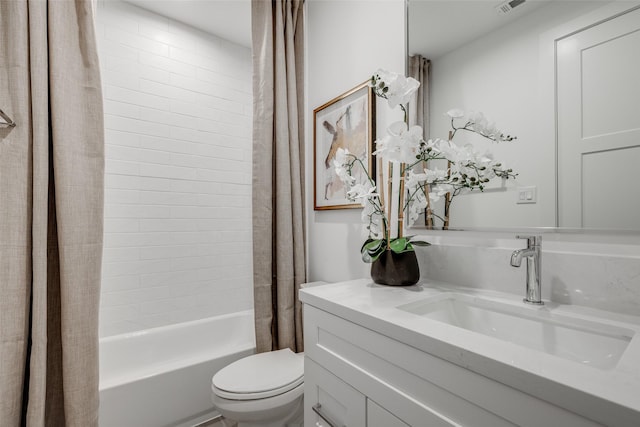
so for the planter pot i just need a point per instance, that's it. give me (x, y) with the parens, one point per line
(396, 269)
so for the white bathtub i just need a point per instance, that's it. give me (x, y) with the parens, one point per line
(162, 377)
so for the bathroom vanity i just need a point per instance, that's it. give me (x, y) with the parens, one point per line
(436, 355)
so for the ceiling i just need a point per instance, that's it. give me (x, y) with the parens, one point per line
(228, 19)
(435, 26)
(440, 26)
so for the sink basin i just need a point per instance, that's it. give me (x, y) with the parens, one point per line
(588, 342)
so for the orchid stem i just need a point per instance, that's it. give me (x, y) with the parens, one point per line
(390, 198)
(401, 201)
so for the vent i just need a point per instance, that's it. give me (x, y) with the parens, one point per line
(508, 6)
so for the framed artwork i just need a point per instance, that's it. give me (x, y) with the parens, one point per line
(344, 122)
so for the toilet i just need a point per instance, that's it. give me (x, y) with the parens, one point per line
(262, 390)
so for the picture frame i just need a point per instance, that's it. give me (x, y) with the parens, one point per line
(347, 121)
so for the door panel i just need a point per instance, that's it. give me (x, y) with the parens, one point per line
(616, 63)
(599, 125)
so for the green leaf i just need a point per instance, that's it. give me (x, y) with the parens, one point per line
(371, 258)
(365, 243)
(398, 245)
(372, 249)
(417, 242)
(367, 258)
(401, 245)
(372, 245)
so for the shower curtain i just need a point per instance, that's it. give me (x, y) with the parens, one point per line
(278, 174)
(51, 203)
(420, 69)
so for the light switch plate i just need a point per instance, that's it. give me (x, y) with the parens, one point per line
(527, 195)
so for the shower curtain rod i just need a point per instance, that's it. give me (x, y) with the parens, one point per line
(7, 120)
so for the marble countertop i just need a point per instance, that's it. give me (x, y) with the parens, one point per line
(585, 389)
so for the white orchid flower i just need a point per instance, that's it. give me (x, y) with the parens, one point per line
(434, 145)
(361, 191)
(478, 119)
(343, 173)
(401, 144)
(400, 87)
(402, 91)
(339, 166)
(492, 131)
(356, 191)
(435, 174)
(453, 152)
(341, 155)
(438, 191)
(413, 179)
(367, 195)
(455, 113)
(416, 207)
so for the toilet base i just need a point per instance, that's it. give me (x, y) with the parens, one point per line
(283, 410)
(295, 420)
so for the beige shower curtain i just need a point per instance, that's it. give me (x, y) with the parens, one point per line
(419, 69)
(51, 196)
(278, 187)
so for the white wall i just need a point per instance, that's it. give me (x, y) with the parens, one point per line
(178, 171)
(347, 41)
(500, 75)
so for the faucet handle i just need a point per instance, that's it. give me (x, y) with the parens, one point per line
(532, 241)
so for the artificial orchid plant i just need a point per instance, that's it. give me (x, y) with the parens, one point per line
(419, 186)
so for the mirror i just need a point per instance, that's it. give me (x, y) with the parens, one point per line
(500, 58)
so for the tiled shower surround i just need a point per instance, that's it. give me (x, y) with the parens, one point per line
(178, 171)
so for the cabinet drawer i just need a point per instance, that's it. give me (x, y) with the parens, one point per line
(417, 387)
(377, 416)
(336, 401)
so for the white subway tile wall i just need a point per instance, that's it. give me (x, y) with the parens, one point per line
(178, 105)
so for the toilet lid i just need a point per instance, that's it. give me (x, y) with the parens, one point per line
(260, 376)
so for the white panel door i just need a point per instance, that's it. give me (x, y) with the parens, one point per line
(598, 89)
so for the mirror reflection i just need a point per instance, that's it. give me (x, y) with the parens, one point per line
(559, 75)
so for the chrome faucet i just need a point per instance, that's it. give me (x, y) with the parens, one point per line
(532, 254)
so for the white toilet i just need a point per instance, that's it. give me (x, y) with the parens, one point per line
(262, 390)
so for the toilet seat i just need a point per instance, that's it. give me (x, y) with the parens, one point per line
(260, 376)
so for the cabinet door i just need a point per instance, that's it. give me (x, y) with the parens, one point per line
(377, 416)
(336, 403)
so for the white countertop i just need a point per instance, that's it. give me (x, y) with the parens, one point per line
(585, 389)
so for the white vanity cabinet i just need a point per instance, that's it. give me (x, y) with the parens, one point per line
(360, 377)
(332, 402)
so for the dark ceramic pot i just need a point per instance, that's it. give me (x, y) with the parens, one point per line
(396, 269)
